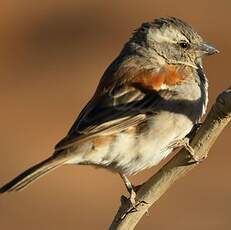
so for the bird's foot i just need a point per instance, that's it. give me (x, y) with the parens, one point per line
(185, 143)
(132, 203)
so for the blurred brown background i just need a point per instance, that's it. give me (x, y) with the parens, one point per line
(52, 54)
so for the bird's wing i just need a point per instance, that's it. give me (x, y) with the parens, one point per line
(119, 106)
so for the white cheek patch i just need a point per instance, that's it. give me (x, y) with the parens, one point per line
(168, 34)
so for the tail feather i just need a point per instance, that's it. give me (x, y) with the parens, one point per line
(33, 173)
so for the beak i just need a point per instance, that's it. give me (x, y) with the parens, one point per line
(208, 49)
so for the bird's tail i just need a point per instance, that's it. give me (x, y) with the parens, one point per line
(33, 173)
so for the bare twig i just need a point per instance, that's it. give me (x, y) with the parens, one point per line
(218, 117)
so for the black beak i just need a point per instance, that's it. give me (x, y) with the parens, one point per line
(208, 49)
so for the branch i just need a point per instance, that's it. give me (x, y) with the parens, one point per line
(149, 192)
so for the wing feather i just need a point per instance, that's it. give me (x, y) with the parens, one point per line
(118, 107)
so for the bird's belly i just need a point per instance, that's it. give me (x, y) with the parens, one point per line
(150, 147)
(130, 153)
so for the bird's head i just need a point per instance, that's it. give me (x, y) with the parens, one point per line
(173, 40)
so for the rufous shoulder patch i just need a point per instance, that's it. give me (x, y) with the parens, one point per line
(167, 77)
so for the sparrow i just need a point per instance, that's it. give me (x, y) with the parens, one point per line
(147, 102)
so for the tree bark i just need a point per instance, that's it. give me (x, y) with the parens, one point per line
(149, 192)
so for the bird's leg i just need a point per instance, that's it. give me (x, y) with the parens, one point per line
(130, 189)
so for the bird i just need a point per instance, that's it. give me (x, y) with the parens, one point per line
(147, 101)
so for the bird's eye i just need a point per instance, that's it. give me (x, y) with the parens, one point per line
(184, 45)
